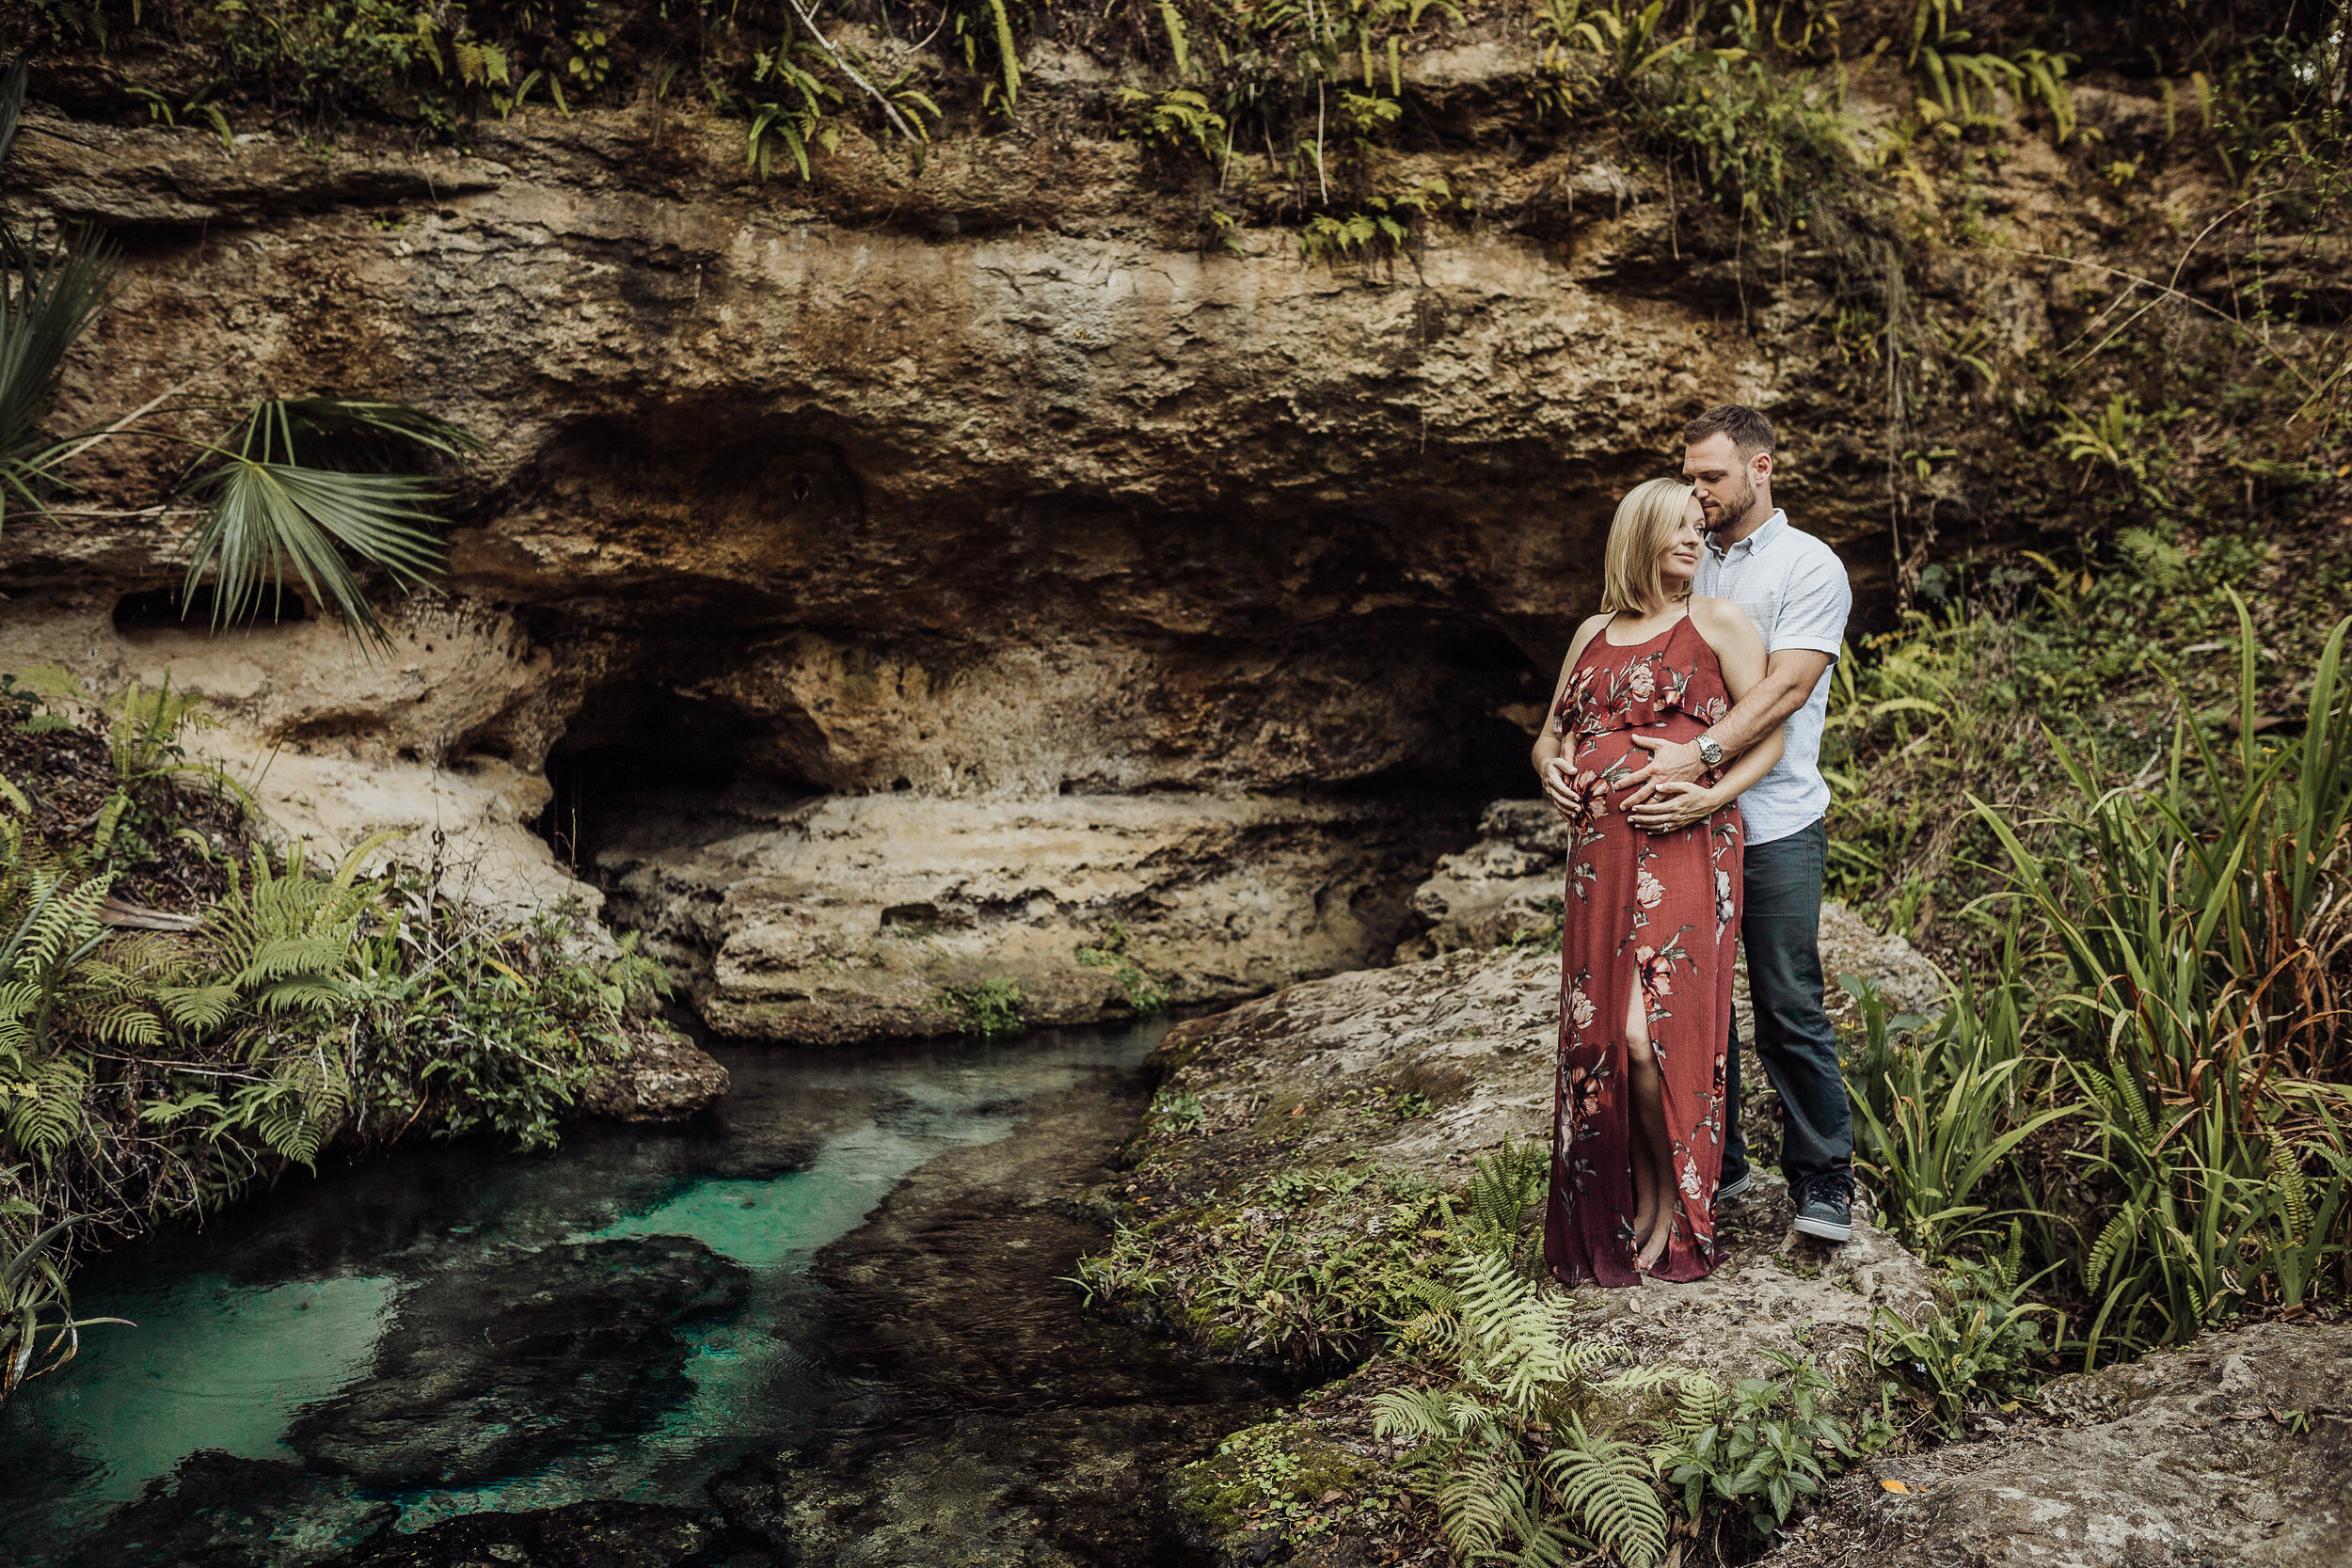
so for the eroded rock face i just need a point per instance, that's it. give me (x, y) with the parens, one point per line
(2232, 1450)
(985, 483)
(847, 918)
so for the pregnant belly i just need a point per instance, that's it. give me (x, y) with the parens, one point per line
(1614, 755)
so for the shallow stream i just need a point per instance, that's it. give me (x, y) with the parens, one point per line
(836, 1297)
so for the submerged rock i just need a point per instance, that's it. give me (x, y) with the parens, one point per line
(218, 1511)
(495, 1366)
(583, 1535)
(2232, 1450)
(986, 1417)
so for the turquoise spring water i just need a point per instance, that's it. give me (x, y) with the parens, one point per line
(287, 1301)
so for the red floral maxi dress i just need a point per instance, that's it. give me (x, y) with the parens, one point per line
(1659, 908)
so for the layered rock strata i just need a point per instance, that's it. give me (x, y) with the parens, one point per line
(845, 918)
(981, 482)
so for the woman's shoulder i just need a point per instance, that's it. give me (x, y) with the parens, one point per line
(1719, 617)
(1586, 630)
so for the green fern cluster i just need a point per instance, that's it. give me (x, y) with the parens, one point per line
(147, 1072)
(1503, 1186)
(1503, 1450)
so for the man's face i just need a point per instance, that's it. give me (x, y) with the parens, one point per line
(1722, 484)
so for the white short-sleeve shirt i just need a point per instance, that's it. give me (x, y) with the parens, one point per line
(1794, 588)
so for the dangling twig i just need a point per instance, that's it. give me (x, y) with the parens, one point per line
(888, 108)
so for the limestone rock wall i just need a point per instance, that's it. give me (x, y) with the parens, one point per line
(981, 482)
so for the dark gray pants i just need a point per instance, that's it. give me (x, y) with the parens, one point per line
(1780, 925)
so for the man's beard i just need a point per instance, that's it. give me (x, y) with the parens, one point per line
(1731, 506)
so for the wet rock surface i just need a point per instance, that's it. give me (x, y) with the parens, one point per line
(2232, 1450)
(216, 1507)
(664, 1077)
(987, 1418)
(583, 1535)
(492, 1367)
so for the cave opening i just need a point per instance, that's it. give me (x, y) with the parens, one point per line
(679, 770)
(150, 611)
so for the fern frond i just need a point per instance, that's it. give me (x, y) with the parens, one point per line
(1611, 1487)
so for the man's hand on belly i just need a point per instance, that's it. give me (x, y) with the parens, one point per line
(1670, 762)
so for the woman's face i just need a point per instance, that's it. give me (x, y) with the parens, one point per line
(1679, 562)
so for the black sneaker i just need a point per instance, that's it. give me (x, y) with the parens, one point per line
(1825, 1206)
(1736, 1188)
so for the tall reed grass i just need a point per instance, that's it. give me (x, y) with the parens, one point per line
(2168, 1020)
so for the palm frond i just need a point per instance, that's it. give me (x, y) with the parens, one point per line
(12, 104)
(46, 304)
(305, 417)
(265, 517)
(291, 485)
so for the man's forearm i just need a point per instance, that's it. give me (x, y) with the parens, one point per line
(1761, 712)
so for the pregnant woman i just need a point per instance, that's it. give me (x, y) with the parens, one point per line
(1650, 919)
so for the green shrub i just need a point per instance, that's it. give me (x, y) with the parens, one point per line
(990, 1008)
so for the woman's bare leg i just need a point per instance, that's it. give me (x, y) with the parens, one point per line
(1651, 1149)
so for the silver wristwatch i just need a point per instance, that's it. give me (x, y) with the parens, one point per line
(1711, 751)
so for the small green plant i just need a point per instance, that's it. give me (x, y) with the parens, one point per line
(990, 1008)
(1381, 226)
(592, 59)
(1980, 1344)
(1406, 1104)
(1767, 1450)
(1179, 117)
(1176, 1112)
(1146, 995)
(1505, 1184)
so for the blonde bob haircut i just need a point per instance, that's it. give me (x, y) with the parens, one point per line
(1638, 536)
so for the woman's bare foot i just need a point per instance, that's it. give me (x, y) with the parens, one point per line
(1646, 1198)
(1654, 1244)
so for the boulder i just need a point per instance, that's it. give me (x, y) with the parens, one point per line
(1421, 1067)
(2232, 1450)
(584, 1336)
(1295, 1079)
(664, 1077)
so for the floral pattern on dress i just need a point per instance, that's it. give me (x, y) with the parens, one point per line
(1657, 911)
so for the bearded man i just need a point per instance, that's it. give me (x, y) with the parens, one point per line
(1794, 588)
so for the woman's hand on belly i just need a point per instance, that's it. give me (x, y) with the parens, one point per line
(1675, 806)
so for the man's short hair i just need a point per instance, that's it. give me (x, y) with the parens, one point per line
(1750, 431)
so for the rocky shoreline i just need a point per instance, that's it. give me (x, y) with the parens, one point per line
(2120, 1465)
